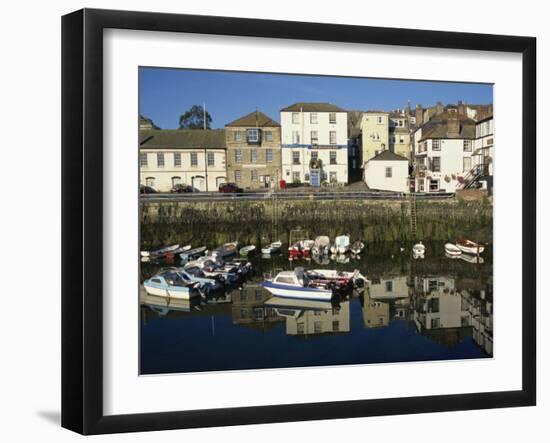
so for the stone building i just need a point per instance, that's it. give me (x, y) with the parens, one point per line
(253, 151)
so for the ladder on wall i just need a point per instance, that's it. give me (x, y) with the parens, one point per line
(412, 199)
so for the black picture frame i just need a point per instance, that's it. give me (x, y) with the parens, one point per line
(82, 215)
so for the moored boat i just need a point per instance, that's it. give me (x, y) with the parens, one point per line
(225, 250)
(452, 250)
(296, 284)
(192, 254)
(341, 245)
(469, 246)
(419, 249)
(301, 248)
(476, 259)
(357, 247)
(321, 245)
(171, 284)
(272, 247)
(159, 252)
(246, 250)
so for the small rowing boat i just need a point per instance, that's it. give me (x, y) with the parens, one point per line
(452, 250)
(272, 247)
(247, 250)
(469, 246)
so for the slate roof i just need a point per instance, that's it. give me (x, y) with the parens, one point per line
(312, 107)
(255, 118)
(437, 127)
(389, 155)
(182, 138)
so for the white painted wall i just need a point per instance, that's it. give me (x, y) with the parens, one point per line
(304, 127)
(375, 175)
(196, 176)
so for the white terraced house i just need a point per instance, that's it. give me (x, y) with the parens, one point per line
(443, 153)
(314, 144)
(192, 157)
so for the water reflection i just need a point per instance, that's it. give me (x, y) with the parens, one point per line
(437, 308)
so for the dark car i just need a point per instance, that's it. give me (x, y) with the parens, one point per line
(230, 188)
(182, 188)
(147, 190)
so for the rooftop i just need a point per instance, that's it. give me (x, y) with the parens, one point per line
(255, 118)
(312, 107)
(389, 155)
(182, 138)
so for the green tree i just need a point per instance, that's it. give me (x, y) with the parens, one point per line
(195, 118)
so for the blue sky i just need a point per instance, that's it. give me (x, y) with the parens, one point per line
(166, 93)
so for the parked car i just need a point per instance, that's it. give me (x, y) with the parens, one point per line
(147, 190)
(230, 188)
(179, 188)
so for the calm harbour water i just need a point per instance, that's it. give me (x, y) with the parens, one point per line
(438, 308)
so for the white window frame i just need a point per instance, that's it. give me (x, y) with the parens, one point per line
(313, 118)
(269, 155)
(177, 159)
(332, 118)
(160, 160)
(211, 158)
(194, 159)
(332, 137)
(295, 118)
(143, 161)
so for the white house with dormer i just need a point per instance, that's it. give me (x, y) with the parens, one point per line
(314, 143)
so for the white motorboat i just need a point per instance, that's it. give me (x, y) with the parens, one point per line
(321, 245)
(272, 247)
(296, 284)
(452, 250)
(419, 249)
(341, 245)
(247, 250)
(192, 254)
(171, 284)
(301, 248)
(469, 246)
(160, 251)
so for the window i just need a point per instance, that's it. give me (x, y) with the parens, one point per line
(238, 136)
(194, 159)
(177, 159)
(238, 155)
(435, 323)
(143, 159)
(389, 286)
(317, 327)
(306, 177)
(150, 181)
(314, 137)
(176, 181)
(268, 136)
(253, 135)
(467, 145)
(210, 159)
(333, 177)
(392, 139)
(253, 156)
(436, 145)
(421, 186)
(314, 154)
(332, 118)
(254, 175)
(436, 164)
(313, 118)
(296, 137)
(300, 328)
(269, 155)
(237, 176)
(434, 185)
(160, 159)
(332, 157)
(295, 117)
(467, 163)
(401, 139)
(295, 176)
(388, 172)
(295, 157)
(332, 136)
(379, 119)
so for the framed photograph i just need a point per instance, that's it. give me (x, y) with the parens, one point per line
(270, 221)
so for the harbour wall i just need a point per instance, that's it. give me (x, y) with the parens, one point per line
(261, 221)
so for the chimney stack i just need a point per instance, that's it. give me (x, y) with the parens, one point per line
(453, 127)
